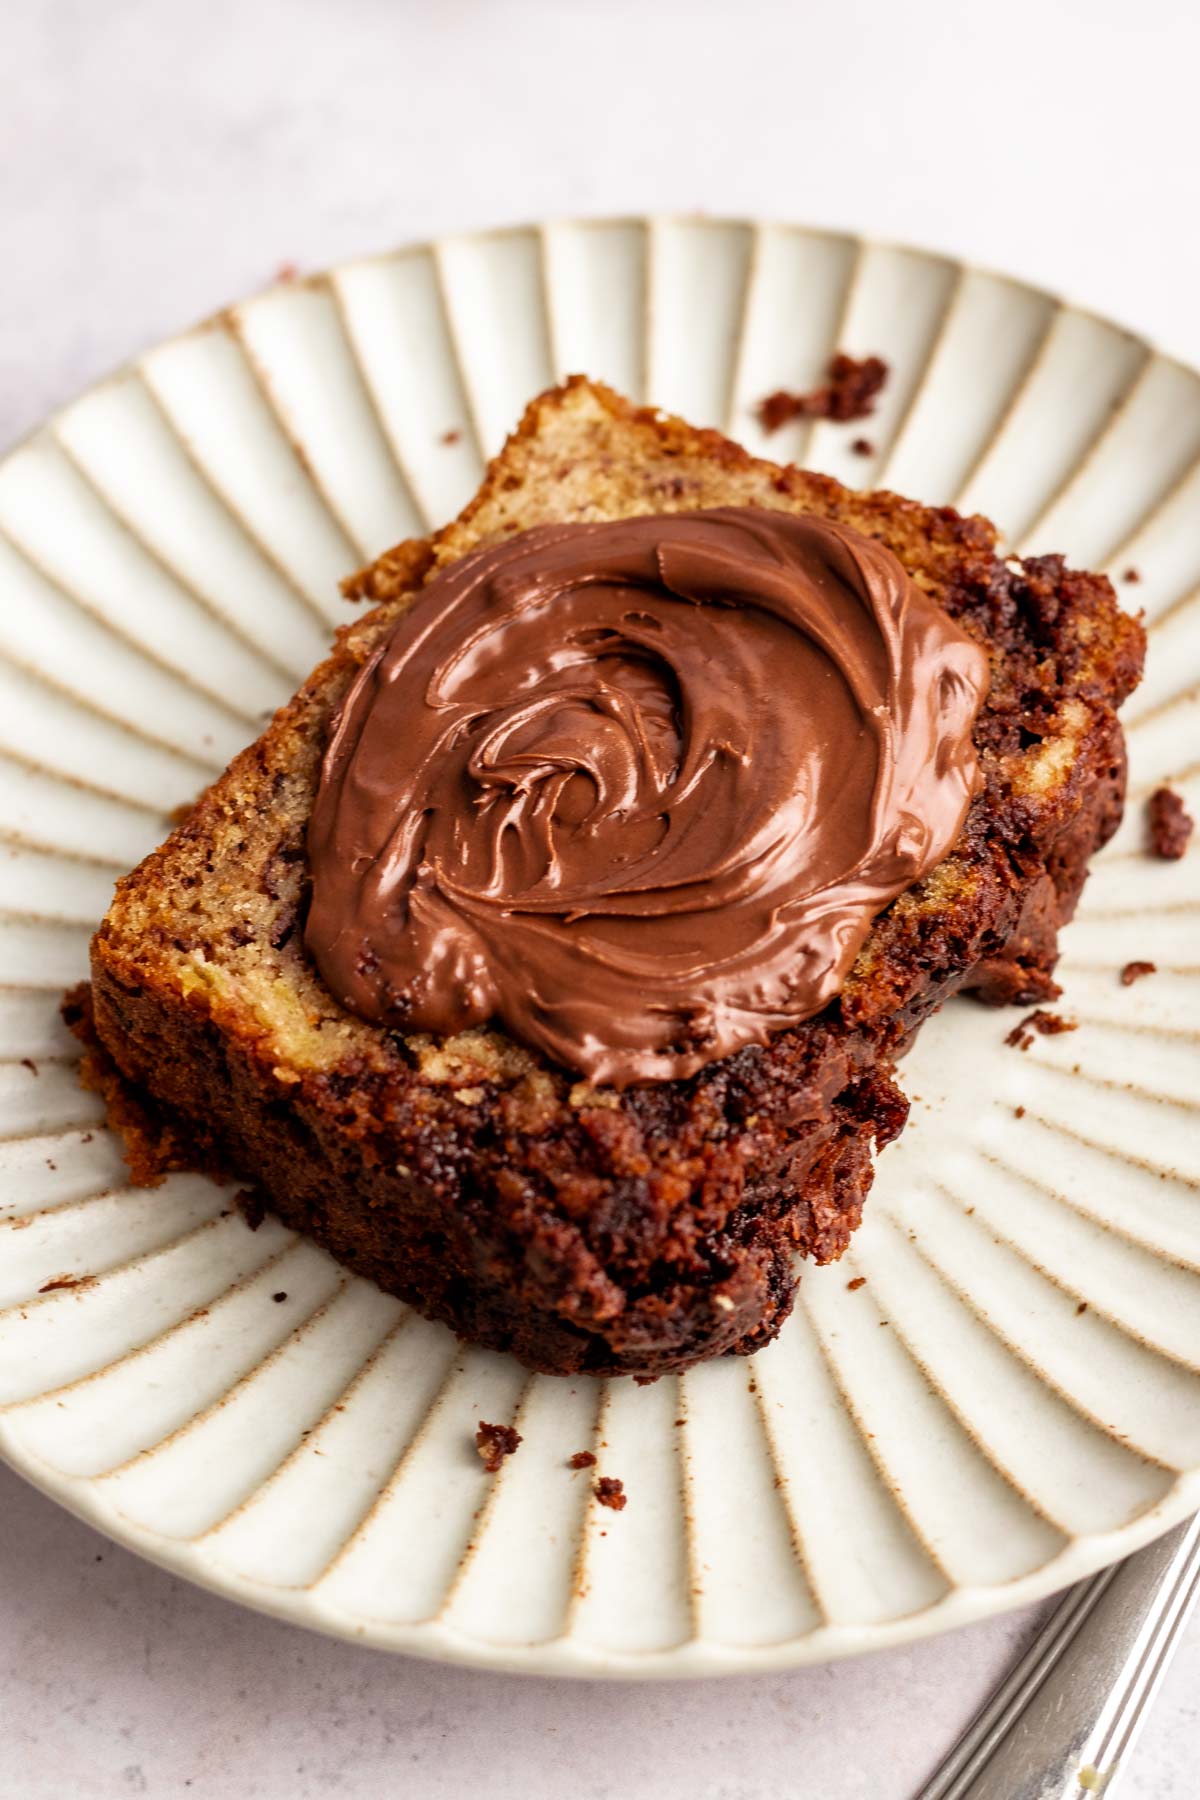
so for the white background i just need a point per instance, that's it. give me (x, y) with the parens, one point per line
(159, 157)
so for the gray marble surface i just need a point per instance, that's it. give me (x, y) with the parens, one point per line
(158, 157)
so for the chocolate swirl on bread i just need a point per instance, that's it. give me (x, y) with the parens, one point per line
(638, 789)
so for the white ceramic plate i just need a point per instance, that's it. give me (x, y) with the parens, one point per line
(1011, 1400)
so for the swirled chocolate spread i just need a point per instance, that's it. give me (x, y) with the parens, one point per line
(636, 790)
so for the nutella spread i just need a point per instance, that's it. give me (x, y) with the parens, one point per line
(636, 790)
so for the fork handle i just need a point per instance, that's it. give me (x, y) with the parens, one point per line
(1064, 1723)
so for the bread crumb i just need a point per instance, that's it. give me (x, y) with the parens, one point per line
(1171, 825)
(849, 393)
(611, 1492)
(582, 1459)
(494, 1443)
(1046, 1024)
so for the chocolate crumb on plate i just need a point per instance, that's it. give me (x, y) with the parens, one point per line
(611, 1492)
(1046, 1024)
(61, 1281)
(849, 393)
(1018, 1112)
(494, 1443)
(859, 1281)
(27, 1062)
(1050, 1024)
(1171, 825)
(279, 1298)
(1132, 575)
(582, 1459)
(863, 447)
(453, 436)
(1134, 971)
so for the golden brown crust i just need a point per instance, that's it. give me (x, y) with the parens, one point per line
(587, 1229)
(695, 467)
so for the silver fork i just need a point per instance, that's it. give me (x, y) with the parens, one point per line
(1063, 1724)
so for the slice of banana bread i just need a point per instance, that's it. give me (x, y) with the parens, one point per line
(582, 1228)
